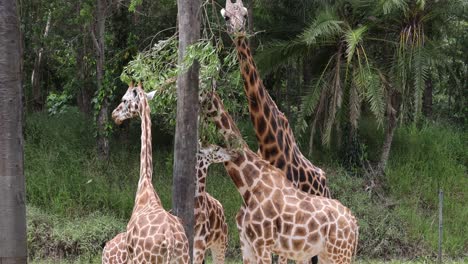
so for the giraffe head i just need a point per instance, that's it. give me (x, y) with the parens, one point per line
(214, 154)
(131, 103)
(235, 15)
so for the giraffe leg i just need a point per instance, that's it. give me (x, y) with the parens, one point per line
(218, 252)
(199, 250)
(248, 254)
(263, 255)
(282, 260)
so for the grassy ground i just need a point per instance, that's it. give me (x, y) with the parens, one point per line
(76, 202)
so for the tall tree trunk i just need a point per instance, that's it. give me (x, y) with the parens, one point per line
(186, 135)
(102, 117)
(84, 93)
(250, 24)
(392, 113)
(427, 98)
(36, 75)
(12, 184)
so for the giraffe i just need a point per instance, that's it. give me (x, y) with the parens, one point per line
(276, 217)
(115, 251)
(153, 234)
(210, 223)
(275, 137)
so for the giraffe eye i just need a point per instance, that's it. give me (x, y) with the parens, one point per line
(226, 18)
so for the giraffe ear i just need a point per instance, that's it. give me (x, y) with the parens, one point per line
(150, 95)
(245, 10)
(223, 12)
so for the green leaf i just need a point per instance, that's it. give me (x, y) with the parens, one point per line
(327, 25)
(353, 38)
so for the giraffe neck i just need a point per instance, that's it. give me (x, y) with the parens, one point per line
(223, 121)
(202, 170)
(264, 112)
(242, 170)
(145, 191)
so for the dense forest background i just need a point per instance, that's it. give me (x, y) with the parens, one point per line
(376, 91)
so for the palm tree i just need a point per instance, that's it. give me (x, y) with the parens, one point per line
(348, 78)
(379, 54)
(418, 55)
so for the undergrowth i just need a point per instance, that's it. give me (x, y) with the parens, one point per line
(422, 162)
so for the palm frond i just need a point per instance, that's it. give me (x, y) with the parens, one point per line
(278, 54)
(421, 4)
(326, 25)
(335, 100)
(388, 6)
(354, 106)
(309, 101)
(353, 38)
(420, 72)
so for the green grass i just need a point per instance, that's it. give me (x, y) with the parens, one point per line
(76, 202)
(54, 236)
(422, 161)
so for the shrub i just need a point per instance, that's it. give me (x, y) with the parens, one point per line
(53, 236)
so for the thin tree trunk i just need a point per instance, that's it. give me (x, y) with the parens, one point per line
(186, 136)
(392, 113)
(38, 101)
(12, 183)
(102, 117)
(250, 24)
(427, 98)
(83, 97)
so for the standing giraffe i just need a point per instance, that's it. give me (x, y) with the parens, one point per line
(276, 217)
(211, 231)
(210, 223)
(153, 235)
(274, 134)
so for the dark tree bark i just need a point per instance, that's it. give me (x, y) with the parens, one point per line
(186, 136)
(250, 25)
(12, 184)
(38, 101)
(103, 116)
(393, 106)
(250, 10)
(84, 93)
(427, 98)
